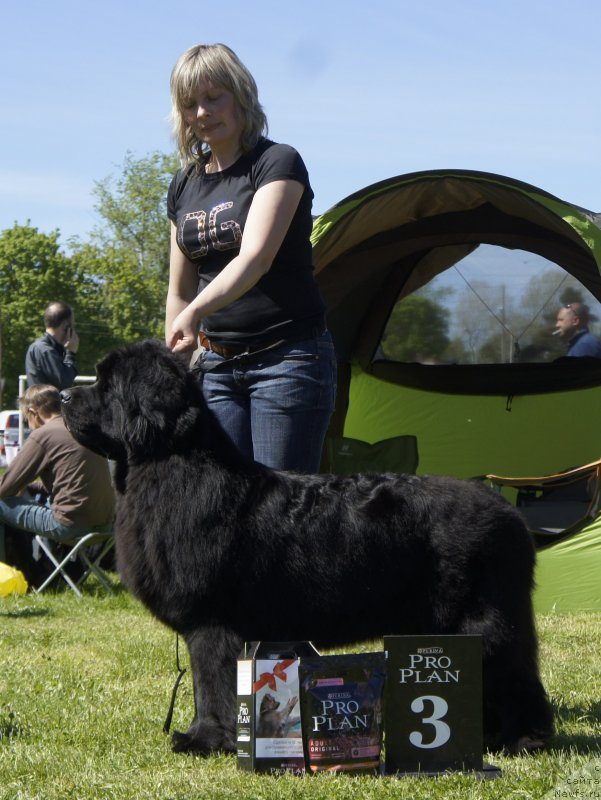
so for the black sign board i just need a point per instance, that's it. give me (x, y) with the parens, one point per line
(433, 702)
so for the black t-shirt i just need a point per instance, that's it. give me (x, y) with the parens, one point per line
(210, 212)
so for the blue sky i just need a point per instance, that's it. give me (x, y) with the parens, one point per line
(364, 90)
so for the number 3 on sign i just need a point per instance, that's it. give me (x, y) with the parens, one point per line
(442, 732)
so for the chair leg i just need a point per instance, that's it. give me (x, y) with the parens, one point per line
(59, 568)
(78, 550)
(93, 565)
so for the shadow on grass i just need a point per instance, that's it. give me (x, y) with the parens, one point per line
(23, 613)
(10, 725)
(584, 744)
(581, 744)
(93, 588)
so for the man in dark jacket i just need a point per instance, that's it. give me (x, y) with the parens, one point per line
(572, 325)
(51, 358)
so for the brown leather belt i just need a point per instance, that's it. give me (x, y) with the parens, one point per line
(233, 350)
(230, 350)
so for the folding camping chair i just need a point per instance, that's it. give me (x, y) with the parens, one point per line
(555, 506)
(344, 456)
(89, 550)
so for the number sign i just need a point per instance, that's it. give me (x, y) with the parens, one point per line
(433, 703)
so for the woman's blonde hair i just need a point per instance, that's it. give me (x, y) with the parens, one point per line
(219, 65)
(42, 398)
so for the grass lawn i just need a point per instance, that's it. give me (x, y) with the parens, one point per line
(85, 687)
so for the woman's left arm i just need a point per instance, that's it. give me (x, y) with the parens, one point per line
(269, 217)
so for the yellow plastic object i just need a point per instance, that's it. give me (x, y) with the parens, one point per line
(12, 581)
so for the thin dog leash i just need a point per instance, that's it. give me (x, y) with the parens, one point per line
(178, 680)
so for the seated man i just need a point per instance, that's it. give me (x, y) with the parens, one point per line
(76, 480)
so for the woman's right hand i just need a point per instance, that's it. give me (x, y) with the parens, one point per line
(183, 336)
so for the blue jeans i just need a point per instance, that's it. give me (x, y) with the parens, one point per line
(275, 405)
(19, 512)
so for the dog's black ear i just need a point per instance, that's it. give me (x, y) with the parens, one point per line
(187, 423)
(160, 400)
(143, 431)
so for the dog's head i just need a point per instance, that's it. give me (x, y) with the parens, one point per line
(269, 703)
(144, 404)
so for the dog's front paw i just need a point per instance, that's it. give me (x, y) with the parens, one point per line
(203, 739)
(517, 745)
(525, 744)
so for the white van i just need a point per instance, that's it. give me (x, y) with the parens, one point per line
(9, 433)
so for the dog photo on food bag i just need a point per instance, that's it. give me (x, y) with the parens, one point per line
(226, 551)
(275, 720)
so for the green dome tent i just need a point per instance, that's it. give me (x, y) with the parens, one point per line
(437, 339)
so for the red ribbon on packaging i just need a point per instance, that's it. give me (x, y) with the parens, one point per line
(268, 678)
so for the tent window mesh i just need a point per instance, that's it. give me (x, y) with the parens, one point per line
(494, 306)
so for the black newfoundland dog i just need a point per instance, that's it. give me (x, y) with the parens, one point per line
(226, 551)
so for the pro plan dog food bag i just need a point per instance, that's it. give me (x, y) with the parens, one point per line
(341, 711)
(269, 737)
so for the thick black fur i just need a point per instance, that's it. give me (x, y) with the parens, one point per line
(226, 551)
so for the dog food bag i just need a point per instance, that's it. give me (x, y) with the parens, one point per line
(341, 711)
(269, 737)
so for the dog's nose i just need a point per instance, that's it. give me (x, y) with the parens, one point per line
(65, 396)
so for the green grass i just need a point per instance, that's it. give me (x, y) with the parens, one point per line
(85, 687)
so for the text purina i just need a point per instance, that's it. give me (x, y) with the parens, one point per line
(428, 669)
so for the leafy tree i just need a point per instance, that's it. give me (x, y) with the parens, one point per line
(475, 321)
(33, 273)
(134, 210)
(129, 255)
(125, 302)
(417, 330)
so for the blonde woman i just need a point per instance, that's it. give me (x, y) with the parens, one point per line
(241, 277)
